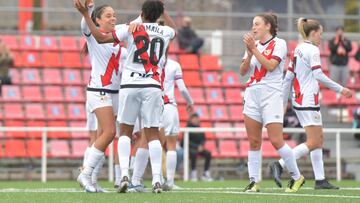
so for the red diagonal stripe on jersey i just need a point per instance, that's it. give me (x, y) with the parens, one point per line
(258, 75)
(145, 56)
(113, 64)
(316, 98)
(298, 95)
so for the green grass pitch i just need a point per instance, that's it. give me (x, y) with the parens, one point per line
(218, 191)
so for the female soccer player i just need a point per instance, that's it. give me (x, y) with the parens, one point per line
(265, 59)
(103, 87)
(303, 75)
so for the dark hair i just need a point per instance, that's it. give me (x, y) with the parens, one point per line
(194, 115)
(339, 28)
(98, 11)
(152, 10)
(272, 19)
(305, 26)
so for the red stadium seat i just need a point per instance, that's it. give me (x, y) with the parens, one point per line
(228, 149)
(34, 111)
(268, 150)
(233, 96)
(291, 45)
(48, 43)
(208, 135)
(55, 112)
(347, 101)
(74, 94)
(59, 149)
(80, 124)
(192, 78)
(15, 149)
(31, 59)
(240, 135)
(11, 41)
(72, 77)
(53, 94)
(223, 135)
(68, 43)
(210, 145)
(52, 77)
(197, 94)
(11, 93)
(15, 76)
(15, 134)
(183, 115)
(86, 62)
(236, 113)
(219, 113)
(51, 60)
(214, 96)
(28, 42)
(2, 134)
(35, 134)
(328, 97)
(34, 148)
(76, 112)
(209, 62)
(230, 79)
(211, 79)
(86, 77)
(58, 134)
(31, 76)
(13, 111)
(203, 112)
(354, 65)
(189, 62)
(71, 60)
(324, 48)
(324, 64)
(244, 148)
(179, 98)
(78, 148)
(18, 60)
(354, 48)
(32, 94)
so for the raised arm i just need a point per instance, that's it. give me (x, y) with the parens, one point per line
(185, 94)
(100, 37)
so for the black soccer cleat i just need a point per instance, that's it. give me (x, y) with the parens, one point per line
(324, 184)
(276, 171)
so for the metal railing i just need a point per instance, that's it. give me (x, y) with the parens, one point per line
(337, 131)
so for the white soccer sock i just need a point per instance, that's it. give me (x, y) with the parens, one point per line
(170, 166)
(132, 162)
(124, 146)
(97, 169)
(318, 163)
(93, 158)
(141, 161)
(299, 151)
(254, 159)
(86, 154)
(117, 172)
(155, 152)
(290, 162)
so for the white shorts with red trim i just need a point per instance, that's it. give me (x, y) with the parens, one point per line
(91, 121)
(146, 102)
(263, 104)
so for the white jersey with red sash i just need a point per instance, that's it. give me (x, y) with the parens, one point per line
(276, 49)
(146, 54)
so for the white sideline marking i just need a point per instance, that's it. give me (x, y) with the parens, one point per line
(268, 188)
(274, 194)
(190, 190)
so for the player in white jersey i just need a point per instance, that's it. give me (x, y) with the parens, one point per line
(103, 88)
(170, 128)
(304, 75)
(265, 59)
(140, 83)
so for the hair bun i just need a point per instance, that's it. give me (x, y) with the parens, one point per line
(305, 20)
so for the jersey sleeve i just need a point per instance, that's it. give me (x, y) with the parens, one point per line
(120, 33)
(280, 51)
(178, 72)
(171, 32)
(138, 20)
(84, 27)
(314, 59)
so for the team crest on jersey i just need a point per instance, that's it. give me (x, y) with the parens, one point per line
(267, 52)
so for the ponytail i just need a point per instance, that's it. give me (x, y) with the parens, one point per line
(305, 26)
